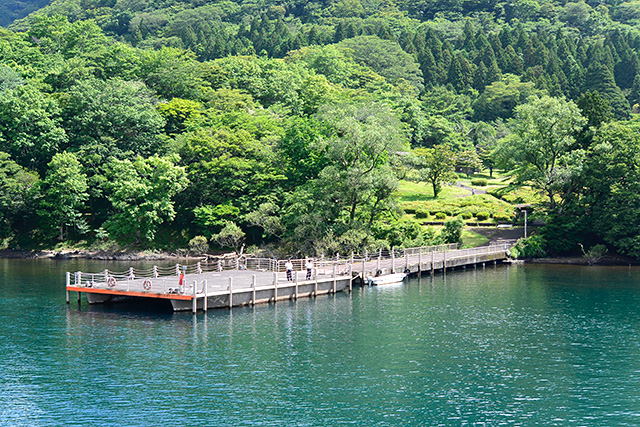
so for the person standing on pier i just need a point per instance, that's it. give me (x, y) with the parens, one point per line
(309, 267)
(289, 267)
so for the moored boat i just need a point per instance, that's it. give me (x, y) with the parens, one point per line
(387, 279)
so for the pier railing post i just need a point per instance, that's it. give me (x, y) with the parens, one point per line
(364, 266)
(195, 298)
(177, 269)
(275, 287)
(253, 289)
(68, 284)
(444, 261)
(433, 260)
(155, 271)
(295, 295)
(315, 284)
(393, 260)
(230, 292)
(350, 277)
(79, 282)
(420, 262)
(199, 268)
(205, 302)
(334, 279)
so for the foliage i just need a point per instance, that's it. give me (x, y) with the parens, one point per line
(594, 254)
(231, 236)
(437, 166)
(199, 245)
(18, 195)
(531, 247)
(542, 147)
(64, 193)
(483, 216)
(613, 191)
(480, 182)
(293, 121)
(452, 231)
(141, 193)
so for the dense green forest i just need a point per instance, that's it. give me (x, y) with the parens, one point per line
(290, 124)
(10, 10)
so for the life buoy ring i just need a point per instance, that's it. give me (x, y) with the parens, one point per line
(111, 281)
(146, 284)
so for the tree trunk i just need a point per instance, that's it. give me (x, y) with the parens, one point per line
(436, 189)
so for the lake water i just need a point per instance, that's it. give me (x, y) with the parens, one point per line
(519, 345)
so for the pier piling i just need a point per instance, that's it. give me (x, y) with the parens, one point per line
(68, 284)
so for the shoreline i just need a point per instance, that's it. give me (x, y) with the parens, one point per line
(609, 261)
(67, 254)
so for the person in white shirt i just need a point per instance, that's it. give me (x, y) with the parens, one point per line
(289, 267)
(309, 266)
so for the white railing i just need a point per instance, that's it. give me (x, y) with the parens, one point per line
(164, 278)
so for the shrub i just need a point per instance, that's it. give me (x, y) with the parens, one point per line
(483, 216)
(594, 254)
(502, 217)
(466, 215)
(480, 182)
(199, 245)
(531, 247)
(410, 209)
(452, 231)
(441, 215)
(422, 213)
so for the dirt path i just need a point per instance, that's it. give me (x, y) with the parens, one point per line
(499, 236)
(473, 191)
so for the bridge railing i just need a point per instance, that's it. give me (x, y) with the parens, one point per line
(340, 264)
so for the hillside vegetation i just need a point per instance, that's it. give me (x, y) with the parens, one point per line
(290, 125)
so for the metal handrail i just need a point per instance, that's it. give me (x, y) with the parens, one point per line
(321, 265)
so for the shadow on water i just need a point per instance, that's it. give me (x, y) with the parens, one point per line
(148, 307)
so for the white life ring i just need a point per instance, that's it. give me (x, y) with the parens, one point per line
(111, 281)
(146, 284)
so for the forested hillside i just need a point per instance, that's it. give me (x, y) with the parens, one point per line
(10, 10)
(150, 123)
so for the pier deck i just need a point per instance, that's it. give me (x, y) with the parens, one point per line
(233, 281)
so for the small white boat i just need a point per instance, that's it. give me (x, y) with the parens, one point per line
(387, 279)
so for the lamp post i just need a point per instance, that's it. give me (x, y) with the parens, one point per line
(524, 211)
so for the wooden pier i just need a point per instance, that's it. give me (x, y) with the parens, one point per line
(235, 281)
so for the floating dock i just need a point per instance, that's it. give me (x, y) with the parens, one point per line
(230, 281)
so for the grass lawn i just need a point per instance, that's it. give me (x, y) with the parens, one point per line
(422, 191)
(471, 239)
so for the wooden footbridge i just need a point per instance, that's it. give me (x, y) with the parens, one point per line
(229, 281)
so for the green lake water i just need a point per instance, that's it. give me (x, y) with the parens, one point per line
(519, 345)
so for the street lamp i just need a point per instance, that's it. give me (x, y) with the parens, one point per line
(524, 211)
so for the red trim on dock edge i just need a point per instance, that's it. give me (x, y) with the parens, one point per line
(130, 293)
